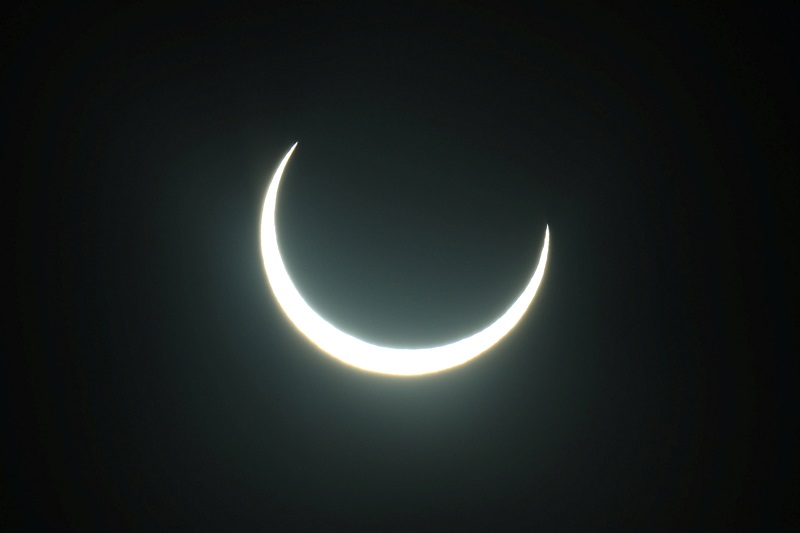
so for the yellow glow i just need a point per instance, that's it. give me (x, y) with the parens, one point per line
(363, 355)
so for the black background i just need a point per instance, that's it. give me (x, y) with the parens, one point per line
(158, 386)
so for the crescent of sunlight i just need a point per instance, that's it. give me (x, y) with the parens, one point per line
(363, 355)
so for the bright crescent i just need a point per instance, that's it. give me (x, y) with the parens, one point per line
(363, 355)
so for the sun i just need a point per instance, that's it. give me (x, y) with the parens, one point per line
(363, 355)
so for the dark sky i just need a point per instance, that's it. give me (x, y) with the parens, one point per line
(158, 385)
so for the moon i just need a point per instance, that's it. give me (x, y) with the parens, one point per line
(363, 355)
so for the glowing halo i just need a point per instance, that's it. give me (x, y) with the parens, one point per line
(363, 355)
